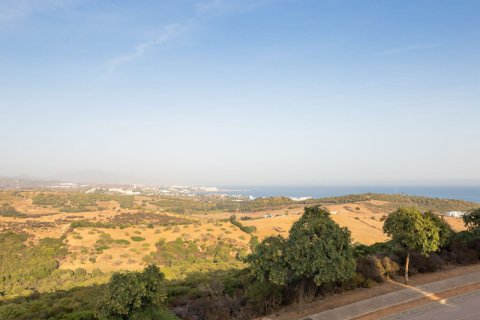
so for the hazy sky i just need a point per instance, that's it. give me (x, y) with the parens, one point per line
(242, 91)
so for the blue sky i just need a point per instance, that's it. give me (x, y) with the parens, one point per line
(242, 91)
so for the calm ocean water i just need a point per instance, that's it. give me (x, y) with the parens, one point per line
(468, 193)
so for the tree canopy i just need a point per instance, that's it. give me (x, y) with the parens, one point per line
(268, 261)
(133, 295)
(317, 248)
(414, 231)
(472, 220)
(445, 231)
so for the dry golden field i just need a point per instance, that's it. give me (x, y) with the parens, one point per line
(116, 248)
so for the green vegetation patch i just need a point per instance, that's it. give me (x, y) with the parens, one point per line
(86, 224)
(7, 210)
(183, 256)
(80, 201)
(150, 219)
(22, 267)
(246, 229)
(75, 209)
(122, 242)
(400, 200)
(54, 200)
(77, 303)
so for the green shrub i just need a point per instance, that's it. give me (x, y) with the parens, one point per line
(265, 297)
(91, 224)
(7, 210)
(253, 242)
(22, 266)
(80, 273)
(371, 267)
(101, 248)
(122, 242)
(422, 264)
(75, 209)
(391, 267)
(42, 199)
(246, 229)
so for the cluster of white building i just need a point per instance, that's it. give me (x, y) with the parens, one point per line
(130, 192)
(143, 189)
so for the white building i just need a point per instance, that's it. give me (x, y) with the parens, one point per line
(456, 214)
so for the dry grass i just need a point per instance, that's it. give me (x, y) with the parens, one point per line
(363, 220)
(364, 224)
(137, 249)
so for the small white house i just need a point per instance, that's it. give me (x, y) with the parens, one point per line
(456, 214)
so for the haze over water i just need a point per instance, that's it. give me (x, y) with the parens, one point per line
(467, 193)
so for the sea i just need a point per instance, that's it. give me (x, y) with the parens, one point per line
(467, 193)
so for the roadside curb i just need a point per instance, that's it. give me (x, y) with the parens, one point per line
(365, 307)
(430, 306)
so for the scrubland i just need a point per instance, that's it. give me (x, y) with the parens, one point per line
(65, 246)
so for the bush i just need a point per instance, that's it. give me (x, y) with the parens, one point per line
(80, 273)
(122, 242)
(101, 248)
(265, 297)
(86, 223)
(371, 267)
(358, 281)
(391, 267)
(246, 229)
(7, 210)
(135, 238)
(462, 249)
(422, 264)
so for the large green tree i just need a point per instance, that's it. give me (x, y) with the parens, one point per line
(133, 295)
(317, 249)
(320, 249)
(414, 231)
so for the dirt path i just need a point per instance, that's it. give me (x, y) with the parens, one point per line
(296, 311)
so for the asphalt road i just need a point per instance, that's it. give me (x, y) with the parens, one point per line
(465, 307)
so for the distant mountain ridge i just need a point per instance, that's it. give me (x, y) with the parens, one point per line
(94, 177)
(78, 177)
(24, 182)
